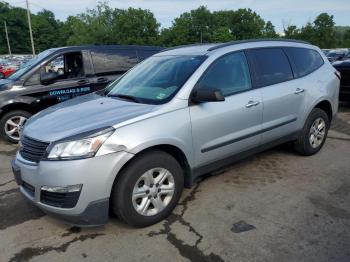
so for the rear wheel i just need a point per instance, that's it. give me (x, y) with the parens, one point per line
(314, 133)
(11, 123)
(148, 189)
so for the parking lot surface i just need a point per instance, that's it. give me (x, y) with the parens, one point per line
(274, 206)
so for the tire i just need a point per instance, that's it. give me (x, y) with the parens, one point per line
(17, 114)
(303, 145)
(124, 202)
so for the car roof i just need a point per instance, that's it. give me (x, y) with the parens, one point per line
(94, 47)
(206, 49)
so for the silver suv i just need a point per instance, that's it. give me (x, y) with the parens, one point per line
(178, 115)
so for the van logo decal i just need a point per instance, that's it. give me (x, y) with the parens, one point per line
(67, 91)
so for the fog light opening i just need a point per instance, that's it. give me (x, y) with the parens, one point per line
(59, 189)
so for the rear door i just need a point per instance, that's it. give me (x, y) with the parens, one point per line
(282, 97)
(221, 129)
(110, 64)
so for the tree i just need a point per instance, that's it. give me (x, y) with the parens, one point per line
(222, 34)
(45, 31)
(324, 30)
(105, 25)
(17, 29)
(243, 23)
(269, 30)
(291, 32)
(190, 27)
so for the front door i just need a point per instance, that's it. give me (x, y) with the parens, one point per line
(221, 129)
(71, 81)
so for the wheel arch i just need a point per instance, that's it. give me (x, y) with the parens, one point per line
(326, 106)
(170, 149)
(16, 106)
(322, 103)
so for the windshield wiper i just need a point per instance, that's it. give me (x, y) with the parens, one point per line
(125, 97)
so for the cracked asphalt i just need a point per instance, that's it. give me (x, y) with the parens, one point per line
(274, 206)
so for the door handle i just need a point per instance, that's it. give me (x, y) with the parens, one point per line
(83, 82)
(102, 80)
(299, 91)
(252, 103)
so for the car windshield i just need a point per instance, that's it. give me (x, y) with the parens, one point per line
(24, 67)
(156, 80)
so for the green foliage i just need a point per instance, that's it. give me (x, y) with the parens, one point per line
(106, 25)
(16, 23)
(321, 32)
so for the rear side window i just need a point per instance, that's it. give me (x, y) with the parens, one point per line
(304, 60)
(112, 61)
(271, 66)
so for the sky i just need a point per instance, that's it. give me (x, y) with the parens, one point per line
(279, 12)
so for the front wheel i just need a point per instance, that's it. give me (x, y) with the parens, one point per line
(11, 123)
(148, 189)
(314, 133)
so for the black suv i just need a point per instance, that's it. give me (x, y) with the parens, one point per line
(344, 68)
(59, 74)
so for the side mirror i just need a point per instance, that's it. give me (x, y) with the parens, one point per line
(48, 78)
(200, 96)
(2, 76)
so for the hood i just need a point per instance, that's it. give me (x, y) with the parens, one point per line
(5, 84)
(82, 114)
(343, 63)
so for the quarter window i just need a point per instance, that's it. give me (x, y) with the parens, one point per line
(229, 74)
(271, 66)
(304, 60)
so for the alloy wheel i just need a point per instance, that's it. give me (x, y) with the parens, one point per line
(13, 126)
(317, 132)
(153, 191)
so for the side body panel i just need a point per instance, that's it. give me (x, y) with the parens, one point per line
(220, 129)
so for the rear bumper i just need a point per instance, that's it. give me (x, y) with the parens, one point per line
(96, 175)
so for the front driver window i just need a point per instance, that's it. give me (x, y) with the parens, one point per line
(229, 74)
(68, 66)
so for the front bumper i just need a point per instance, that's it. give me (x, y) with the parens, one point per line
(96, 175)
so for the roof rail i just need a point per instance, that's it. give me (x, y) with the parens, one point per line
(181, 46)
(255, 40)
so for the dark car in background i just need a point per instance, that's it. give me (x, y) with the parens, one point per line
(344, 68)
(59, 74)
(337, 55)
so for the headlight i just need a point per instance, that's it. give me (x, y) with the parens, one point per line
(82, 148)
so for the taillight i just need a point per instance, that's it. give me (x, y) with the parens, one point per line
(337, 73)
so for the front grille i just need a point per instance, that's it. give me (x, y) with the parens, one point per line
(63, 200)
(28, 188)
(33, 150)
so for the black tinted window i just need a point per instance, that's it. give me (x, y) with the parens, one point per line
(113, 61)
(304, 60)
(229, 74)
(271, 66)
(144, 53)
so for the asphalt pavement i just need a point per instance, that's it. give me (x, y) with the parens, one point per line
(274, 206)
